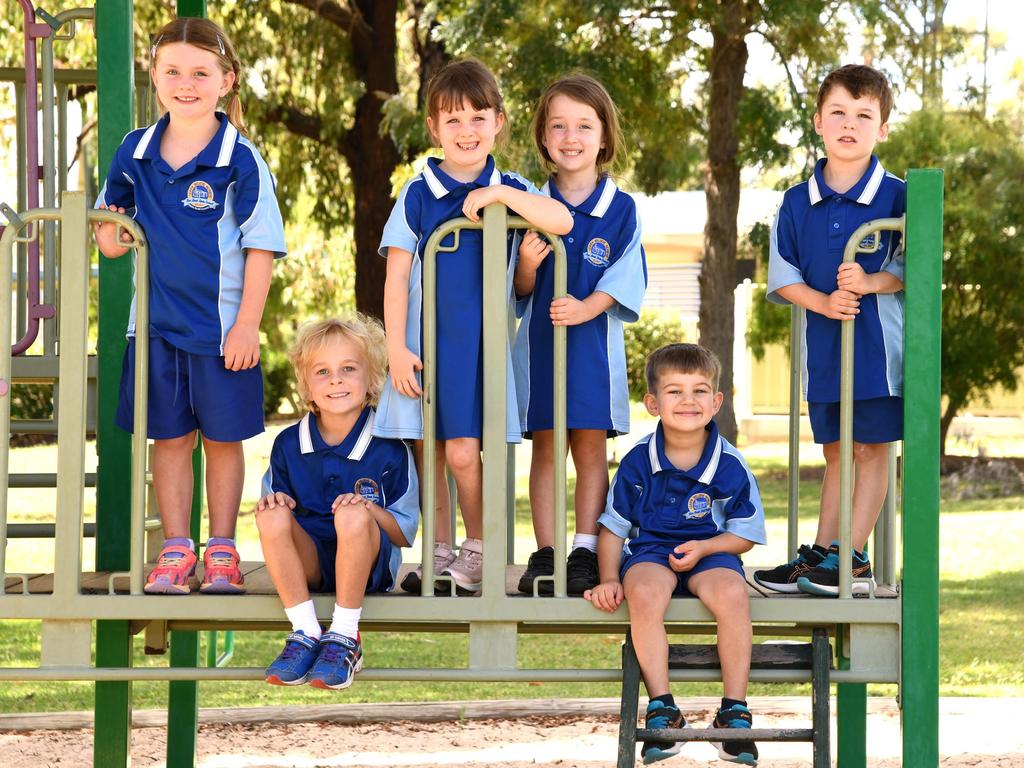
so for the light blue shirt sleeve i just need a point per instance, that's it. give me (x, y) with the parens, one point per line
(626, 279)
(743, 513)
(783, 265)
(402, 494)
(275, 479)
(625, 493)
(259, 216)
(895, 264)
(400, 229)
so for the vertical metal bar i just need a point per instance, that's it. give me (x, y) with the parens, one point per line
(851, 724)
(62, 139)
(495, 381)
(140, 423)
(821, 653)
(796, 334)
(429, 410)
(628, 707)
(73, 375)
(22, 166)
(115, 103)
(846, 451)
(560, 420)
(884, 553)
(183, 702)
(921, 408)
(6, 258)
(49, 239)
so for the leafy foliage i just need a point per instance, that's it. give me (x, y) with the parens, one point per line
(983, 300)
(654, 329)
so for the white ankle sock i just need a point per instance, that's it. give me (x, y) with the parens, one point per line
(585, 540)
(303, 617)
(345, 621)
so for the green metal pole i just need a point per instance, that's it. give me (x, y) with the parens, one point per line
(183, 695)
(115, 107)
(921, 412)
(852, 726)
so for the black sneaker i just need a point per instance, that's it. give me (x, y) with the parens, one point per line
(581, 571)
(542, 563)
(783, 578)
(660, 715)
(823, 580)
(745, 752)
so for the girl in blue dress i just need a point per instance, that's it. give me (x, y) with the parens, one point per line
(577, 134)
(466, 114)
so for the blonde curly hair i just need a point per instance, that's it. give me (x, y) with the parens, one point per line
(357, 328)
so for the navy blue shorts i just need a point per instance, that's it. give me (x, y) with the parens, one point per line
(189, 392)
(879, 420)
(321, 530)
(660, 556)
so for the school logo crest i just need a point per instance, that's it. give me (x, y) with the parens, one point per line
(367, 488)
(598, 252)
(199, 197)
(698, 506)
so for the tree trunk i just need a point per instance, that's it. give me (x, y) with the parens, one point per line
(722, 192)
(370, 154)
(953, 406)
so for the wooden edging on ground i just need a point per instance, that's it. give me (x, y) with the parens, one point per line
(423, 712)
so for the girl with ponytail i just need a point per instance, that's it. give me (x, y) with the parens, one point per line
(206, 200)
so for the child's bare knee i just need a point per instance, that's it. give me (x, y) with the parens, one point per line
(461, 455)
(274, 523)
(353, 521)
(869, 451)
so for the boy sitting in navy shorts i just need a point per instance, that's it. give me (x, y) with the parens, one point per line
(849, 187)
(689, 507)
(338, 503)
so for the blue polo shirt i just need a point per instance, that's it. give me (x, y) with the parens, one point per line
(657, 507)
(315, 473)
(807, 241)
(428, 200)
(199, 220)
(603, 253)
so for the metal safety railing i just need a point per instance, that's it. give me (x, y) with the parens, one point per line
(74, 219)
(497, 511)
(42, 95)
(884, 534)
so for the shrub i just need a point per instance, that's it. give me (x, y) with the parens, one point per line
(654, 329)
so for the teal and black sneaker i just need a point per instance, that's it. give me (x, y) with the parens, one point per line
(783, 578)
(743, 752)
(823, 579)
(660, 715)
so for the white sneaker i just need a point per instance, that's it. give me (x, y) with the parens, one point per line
(467, 570)
(443, 557)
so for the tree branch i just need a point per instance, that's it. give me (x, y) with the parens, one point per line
(301, 124)
(338, 14)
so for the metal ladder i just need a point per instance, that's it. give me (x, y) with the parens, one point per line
(815, 656)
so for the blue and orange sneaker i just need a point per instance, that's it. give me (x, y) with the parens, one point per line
(221, 574)
(292, 665)
(174, 568)
(339, 660)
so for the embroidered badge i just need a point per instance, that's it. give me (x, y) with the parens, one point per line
(199, 197)
(367, 488)
(698, 506)
(598, 252)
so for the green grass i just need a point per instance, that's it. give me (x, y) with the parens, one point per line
(982, 602)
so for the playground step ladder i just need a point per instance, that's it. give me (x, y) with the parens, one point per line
(815, 656)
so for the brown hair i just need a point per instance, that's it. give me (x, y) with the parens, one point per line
(363, 331)
(464, 81)
(203, 33)
(684, 358)
(859, 80)
(586, 90)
